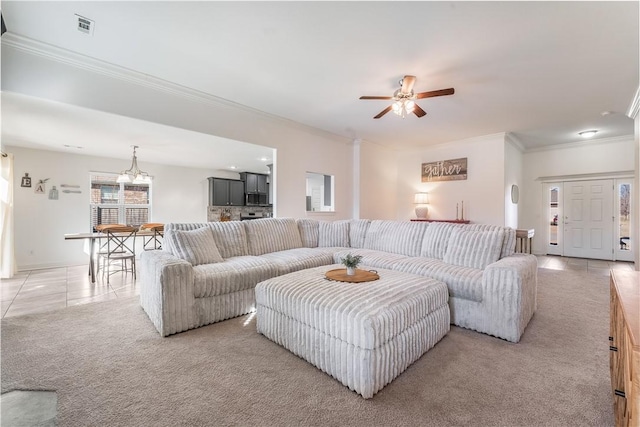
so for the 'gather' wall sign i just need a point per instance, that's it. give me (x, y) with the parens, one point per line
(445, 170)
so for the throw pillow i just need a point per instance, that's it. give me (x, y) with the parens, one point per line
(474, 249)
(195, 246)
(333, 234)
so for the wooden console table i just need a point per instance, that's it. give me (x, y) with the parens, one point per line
(523, 240)
(454, 221)
(624, 346)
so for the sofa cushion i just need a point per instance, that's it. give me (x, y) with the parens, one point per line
(436, 239)
(309, 229)
(333, 234)
(370, 258)
(509, 242)
(358, 231)
(170, 227)
(298, 259)
(233, 275)
(230, 237)
(397, 237)
(462, 282)
(195, 246)
(272, 235)
(475, 249)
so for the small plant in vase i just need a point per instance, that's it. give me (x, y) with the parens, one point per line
(351, 262)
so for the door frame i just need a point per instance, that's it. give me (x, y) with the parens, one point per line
(549, 181)
(619, 255)
(546, 201)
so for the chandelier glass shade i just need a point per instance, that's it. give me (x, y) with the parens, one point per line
(134, 174)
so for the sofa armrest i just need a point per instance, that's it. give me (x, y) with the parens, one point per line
(167, 292)
(509, 292)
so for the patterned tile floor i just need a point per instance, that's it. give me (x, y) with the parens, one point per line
(43, 290)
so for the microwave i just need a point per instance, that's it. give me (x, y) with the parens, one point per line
(255, 199)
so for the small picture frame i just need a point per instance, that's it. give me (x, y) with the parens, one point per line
(26, 181)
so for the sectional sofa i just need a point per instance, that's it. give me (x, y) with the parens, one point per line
(207, 272)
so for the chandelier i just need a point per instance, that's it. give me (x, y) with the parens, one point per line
(134, 174)
(404, 103)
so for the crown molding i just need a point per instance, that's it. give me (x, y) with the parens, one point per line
(84, 62)
(577, 144)
(634, 108)
(515, 141)
(587, 176)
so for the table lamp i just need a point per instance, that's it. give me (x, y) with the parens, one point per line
(421, 199)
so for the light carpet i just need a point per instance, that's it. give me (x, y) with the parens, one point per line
(110, 367)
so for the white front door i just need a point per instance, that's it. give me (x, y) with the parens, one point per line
(588, 219)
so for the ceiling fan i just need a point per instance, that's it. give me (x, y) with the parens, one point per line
(404, 99)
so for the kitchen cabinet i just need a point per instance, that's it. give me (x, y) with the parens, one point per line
(225, 192)
(254, 183)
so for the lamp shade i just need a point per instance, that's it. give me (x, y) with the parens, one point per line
(421, 199)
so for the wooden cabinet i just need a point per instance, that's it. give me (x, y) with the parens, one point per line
(226, 192)
(624, 345)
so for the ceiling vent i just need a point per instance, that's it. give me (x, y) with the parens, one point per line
(84, 25)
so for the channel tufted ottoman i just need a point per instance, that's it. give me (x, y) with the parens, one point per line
(362, 334)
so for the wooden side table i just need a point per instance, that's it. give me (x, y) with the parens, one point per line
(454, 221)
(523, 240)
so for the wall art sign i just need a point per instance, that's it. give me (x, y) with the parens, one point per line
(445, 170)
(26, 180)
(40, 186)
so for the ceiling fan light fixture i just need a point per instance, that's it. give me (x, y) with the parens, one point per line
(409, 105)
(588, 133)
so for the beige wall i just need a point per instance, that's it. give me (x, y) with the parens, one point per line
(378, 174)
(483, 192)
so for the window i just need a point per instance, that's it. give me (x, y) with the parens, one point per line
(320, 190)
(118, 203)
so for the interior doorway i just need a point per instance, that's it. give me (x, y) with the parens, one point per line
(590, 219)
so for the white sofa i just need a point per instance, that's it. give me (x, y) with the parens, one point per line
(207, 272)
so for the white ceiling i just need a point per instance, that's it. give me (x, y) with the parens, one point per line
(542, 71)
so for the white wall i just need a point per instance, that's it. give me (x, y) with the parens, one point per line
(378, 176)
(512, 176)
(598, 157)
(299, 148)
(179, 195)
(482, 191)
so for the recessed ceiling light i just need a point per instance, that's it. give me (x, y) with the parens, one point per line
(232, 167)
(73, 146)
(587, 133)
(264, 159)
(605, 113)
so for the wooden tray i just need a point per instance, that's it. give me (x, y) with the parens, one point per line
(340, 275)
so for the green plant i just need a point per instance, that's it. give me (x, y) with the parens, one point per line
(351, 261)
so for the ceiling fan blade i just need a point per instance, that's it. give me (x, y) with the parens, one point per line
(407, 84)
(383, 112)
(433, 93)
(376, 97)
(419, 111)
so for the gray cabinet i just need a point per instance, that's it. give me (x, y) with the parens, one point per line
(254, 183)
(226, 192)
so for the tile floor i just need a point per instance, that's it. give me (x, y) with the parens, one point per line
(43, 290)
(50, 289)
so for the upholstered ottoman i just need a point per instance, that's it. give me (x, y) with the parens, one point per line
(362, 334)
